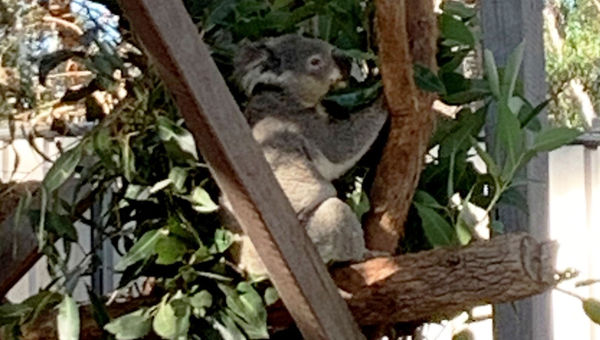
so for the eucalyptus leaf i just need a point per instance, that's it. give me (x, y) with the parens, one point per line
(200, 302)
(591, 308)
(134, 325)
(62, 169)
(227, 328)
(552, 138)
(202, 202)
(223, 239)
(141, 250)
(172, 320)
(271, 296)
(169, 249)
(456, 30)
(428, 81)
(509, 136)
(68, 319)
(511, 72)
(437, 230)
(491, 73)
(247, 309)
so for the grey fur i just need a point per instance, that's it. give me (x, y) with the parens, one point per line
(305, 147)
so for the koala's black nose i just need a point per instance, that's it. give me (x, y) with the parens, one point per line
(343, 61)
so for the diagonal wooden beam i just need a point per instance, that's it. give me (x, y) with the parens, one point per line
(19, 246)
(239, 167)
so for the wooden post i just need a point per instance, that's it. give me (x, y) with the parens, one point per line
(239, 167)
(505, 24)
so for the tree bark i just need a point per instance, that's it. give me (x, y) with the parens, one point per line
(404, 28)
(415, 287)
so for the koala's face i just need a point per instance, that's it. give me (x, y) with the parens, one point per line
(304, 68)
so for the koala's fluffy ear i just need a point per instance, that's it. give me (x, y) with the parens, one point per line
(252, 62)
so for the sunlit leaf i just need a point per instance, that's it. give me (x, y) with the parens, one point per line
(68, 319)
(202, 202)
(141, 250)
(199, 302)
(172, 320)
(134, 325)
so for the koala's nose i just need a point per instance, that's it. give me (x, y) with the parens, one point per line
(343, 62)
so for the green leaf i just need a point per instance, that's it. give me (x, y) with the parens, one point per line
(199, 302)
(424, 198)
(358, 202)
(497, 227)
(271, 296)
(10, 313)
(41, 302)
(356, 97)
(68, 319)
(492, 168)
(141, 250)
(202, 202)
(456, 30)
(509, 135)
(428, 81)
(247, 309)
(552, 138)
(592, 309)
(227, 328)
(178, 176)
(158, 186)
(459, 9)
(130, 326)
(437, 230)
(99, 311)
(169, 131)
(463, 232)
(526, 117)
(62, 169)
(223, 240)
(511, 72)
(170, 250)
(127, 159)
(172, 320)
(491, 73)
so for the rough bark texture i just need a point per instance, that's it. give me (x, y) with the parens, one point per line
(404, 28)
(420, 286)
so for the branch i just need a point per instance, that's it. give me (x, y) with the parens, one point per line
(405, 27)
(415, 287)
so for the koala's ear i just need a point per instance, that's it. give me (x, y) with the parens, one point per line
(249, 56)
(251, 61)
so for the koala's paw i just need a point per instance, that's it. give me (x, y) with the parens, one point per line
(336, 232)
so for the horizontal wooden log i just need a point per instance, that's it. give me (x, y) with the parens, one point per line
(442, 282)
(416, 287)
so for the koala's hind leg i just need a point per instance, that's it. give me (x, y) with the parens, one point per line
(336, 232)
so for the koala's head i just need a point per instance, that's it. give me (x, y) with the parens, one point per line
(304, 68)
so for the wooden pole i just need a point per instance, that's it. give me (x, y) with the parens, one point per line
(505, 24)
(239, 167)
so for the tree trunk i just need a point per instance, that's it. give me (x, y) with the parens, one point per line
(404, 28)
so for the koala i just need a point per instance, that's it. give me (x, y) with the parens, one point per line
(285, 79)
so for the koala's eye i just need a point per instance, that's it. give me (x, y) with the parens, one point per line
(315, 62)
